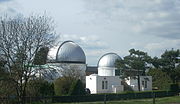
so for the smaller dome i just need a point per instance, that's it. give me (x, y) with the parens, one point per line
(108, 60)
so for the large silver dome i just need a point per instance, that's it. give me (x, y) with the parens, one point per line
(108, 60)
(70, 52)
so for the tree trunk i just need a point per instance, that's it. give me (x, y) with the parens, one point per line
(139, 88)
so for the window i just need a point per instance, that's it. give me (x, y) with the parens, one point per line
(102, 84)
(106, 84)
(145, 84)
(117, 72)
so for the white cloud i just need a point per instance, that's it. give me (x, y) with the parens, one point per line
(156, 48)
(153, 17)
(116, 25)
(8, 7)
(88, 42)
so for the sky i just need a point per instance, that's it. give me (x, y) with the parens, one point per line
(103, 26)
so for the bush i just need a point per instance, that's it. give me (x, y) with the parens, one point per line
(77, 88)
(7, 88)
(62, 86)
(40, 87)
(110, 97)
(174, 87)
(160, 79)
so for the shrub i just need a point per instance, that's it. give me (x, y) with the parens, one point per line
(62, 86)
(40, 87)
(160, 79)
(77, 88)
(174, 87)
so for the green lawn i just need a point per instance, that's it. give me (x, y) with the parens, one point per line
(166, 100)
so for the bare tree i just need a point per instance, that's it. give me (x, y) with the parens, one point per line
(68, 74)
(20, 40)
(72, 71)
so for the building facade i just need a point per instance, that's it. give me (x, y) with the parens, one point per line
(106, 80)
(70, 59)
(145, 83)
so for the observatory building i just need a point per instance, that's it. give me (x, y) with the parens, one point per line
(69, 59)
(106, 80)
(63, 59)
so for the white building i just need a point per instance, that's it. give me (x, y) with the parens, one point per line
(69, 58)
(108, 81)
(105, 81)
(145, 83)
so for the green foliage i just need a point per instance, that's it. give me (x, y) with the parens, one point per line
(40, 87)
(62, 85)
(2, 69)
(174, 87)
(170, 60)
(168, 65)
(175, 74)
(7, 88)
(77, 88)
(137, 60)
(156, 62)
(6, 85)
(41, 56)
(160, 79)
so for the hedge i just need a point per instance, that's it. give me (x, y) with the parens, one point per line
(110, 97)
(98, 97)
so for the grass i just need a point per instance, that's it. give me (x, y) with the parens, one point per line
(166, 100)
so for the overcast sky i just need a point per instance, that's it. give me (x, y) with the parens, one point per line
(102, 26)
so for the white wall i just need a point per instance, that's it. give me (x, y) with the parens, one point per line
(94, 83)
(91, 83)
(148, 80)
(133, 82)
(117, 88)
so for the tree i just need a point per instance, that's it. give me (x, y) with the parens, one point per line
(2, 68)
(62, 85)
(160, 79)
(170, 62)
(69, 73)
(175, 74)
(77, 88)
(20, 40)
(137, 60)
(72, 71)
(157, 62)
(170, 59)
(41, 56)
(6, 88)
(39, 87)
